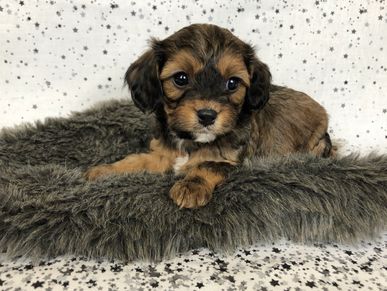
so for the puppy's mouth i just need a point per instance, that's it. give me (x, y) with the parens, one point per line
(204, 135)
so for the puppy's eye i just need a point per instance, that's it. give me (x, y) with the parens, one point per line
(233, 83)
(180, 79)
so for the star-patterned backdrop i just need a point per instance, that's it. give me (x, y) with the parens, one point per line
(63, 56)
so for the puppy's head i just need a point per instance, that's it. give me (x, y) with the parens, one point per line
(203, 77)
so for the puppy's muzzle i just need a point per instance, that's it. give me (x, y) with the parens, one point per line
(207, 116)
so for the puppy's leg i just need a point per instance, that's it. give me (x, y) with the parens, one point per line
(320, 143)
(196, 188)
(324, 147)
(159, 160)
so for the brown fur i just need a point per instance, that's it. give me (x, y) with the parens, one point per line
(160, 159)
(247, 123)
(196, 188)
(230, 65)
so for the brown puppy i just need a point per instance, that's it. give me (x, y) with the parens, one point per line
(215, 108)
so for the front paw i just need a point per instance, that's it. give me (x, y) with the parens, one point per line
(191, 193)
(98, 171)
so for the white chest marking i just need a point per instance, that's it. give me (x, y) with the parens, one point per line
(179, 162)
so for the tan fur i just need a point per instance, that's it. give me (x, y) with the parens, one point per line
(159, 160)
(185, 115)
(196, 188)
(182, 61)
(232, 65)
(171, 92)
(239, 96)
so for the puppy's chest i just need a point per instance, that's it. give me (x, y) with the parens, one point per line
(180, 162)
(186, 161)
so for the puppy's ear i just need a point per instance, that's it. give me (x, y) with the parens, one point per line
(260, 77)
(143, 80)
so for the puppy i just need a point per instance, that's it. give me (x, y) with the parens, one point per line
(215, 108)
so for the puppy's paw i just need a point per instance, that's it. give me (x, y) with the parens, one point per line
(98, 171)
(191, 193)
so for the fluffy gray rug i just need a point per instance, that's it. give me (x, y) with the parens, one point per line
(48, 209)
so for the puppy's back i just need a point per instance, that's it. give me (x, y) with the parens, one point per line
(291, 121)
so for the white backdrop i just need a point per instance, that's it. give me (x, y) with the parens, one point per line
(63, 56)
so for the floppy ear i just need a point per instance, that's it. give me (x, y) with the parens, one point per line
(143, 80)
(260, 77)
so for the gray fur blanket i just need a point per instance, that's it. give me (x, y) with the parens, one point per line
(48, 209)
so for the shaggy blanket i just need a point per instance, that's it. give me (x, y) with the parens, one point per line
(47, 208)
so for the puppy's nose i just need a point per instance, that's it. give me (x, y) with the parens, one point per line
(207, 116)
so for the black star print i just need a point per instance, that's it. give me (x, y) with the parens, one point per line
(1, 9)
(92, 283)
(133, 13)
(21, 3)
(366, 268)
(274, 282)
(116, 268)
(279, 56)
(75, 29)
(113, 6)
(104, 52)
(380, 17)
(37, 24)
(310, 284)
(349, 253)
(37, 284)
(199, 285)
(285, 266)
(276, 250)
(154, 284)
